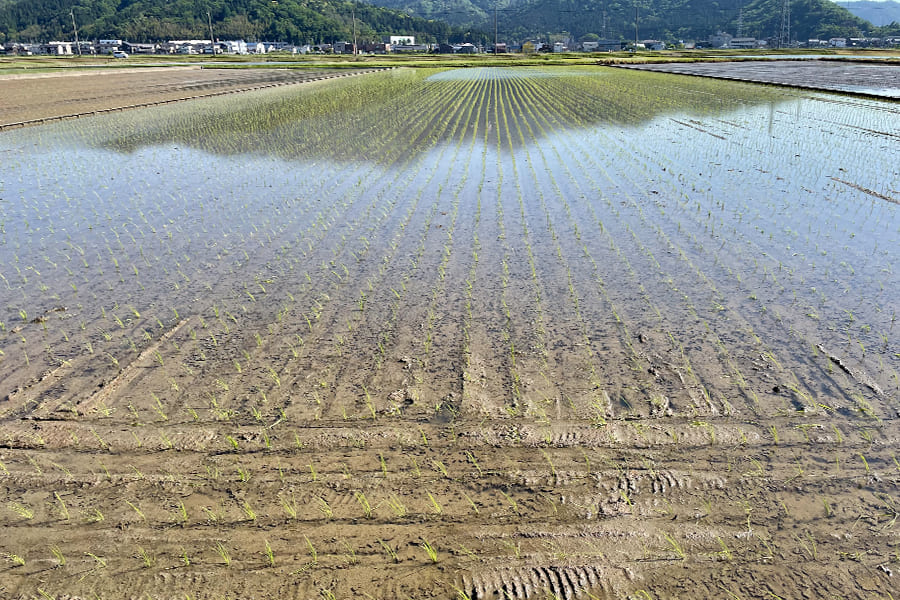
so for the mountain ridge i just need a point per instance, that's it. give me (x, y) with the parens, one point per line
(318, 21)
(879, 13)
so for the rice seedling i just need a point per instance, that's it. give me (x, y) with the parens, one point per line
(675, 546)
(269, 554)
(364, 503)
(598, 304)
(223, 553)
(390, 551)
(430, 550)
(15, 559)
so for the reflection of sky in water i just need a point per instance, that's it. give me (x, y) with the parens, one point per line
(413, 111)
(508, 73)
(53, 191)
(795, 182)
(770, 179)
(887, 93)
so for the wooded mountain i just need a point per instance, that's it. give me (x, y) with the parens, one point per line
(877, 13)
(656, 19)
(297, 21)
(315, 21)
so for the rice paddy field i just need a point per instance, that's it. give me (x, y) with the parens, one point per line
(481, 333)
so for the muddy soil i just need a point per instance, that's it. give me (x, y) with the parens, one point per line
(644, 360)
(877, 80)
(67, 94)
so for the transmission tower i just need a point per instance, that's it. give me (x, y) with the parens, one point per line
(784, 39)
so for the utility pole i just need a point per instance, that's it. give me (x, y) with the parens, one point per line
(212, 40)
(495, 30)
(635, 27)
(353, 12)
(75, 27)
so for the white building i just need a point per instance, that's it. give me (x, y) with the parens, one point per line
(108, 46)
(57, 48)
(234, 46)
(743, 42)
(400, 40)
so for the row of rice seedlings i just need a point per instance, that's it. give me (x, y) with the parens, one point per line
(440, 295)
(318, 302)
(388, 328)
(229, 323)
(543, 393)
(602, 402)
(730, 271)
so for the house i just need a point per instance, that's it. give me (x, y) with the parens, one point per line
(654, 45)
(608, 46)
(140, 48)
(743, 43)
(57, 48)
(409, 48)
(233, 47)
(85, 48)
(344, 48)
(720, 40)
(184, 46)
(400, 40)
(376, 48)
(559, 47)
(21, 49)
(457, 49)
(256, 48)
(838, 42)
(108, 46)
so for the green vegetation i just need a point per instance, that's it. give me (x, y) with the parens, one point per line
(155, 20)
(324, 21)
(668, 20)
(348, 119)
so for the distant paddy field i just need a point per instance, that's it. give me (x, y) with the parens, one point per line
(30, 99)
(845, 75)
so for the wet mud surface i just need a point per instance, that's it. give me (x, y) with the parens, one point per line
(842, 76)
(459, 336)
(61, 95)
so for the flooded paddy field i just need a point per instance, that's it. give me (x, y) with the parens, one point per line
(482, 333)
(79, 92)
(843, 75)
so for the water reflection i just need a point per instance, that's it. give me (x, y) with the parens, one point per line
(384, 117)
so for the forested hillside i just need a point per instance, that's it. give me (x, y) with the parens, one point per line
(659, 19)
(302, 21)
(298, 21)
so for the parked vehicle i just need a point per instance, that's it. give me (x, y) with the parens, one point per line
(120, 54)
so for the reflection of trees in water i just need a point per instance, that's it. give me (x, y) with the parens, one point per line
(384, 116)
